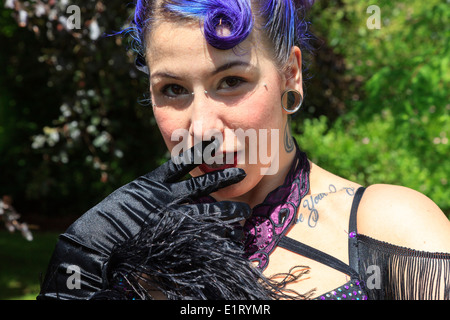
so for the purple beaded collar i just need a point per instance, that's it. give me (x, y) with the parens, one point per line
(272, 218)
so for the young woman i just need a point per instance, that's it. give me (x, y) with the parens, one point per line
(224, 68)
(229, 65)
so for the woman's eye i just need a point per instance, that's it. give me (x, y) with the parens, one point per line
(230, 82)
(174, 90)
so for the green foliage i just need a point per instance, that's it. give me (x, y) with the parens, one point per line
(71, 127)
(23, 263)
(376, 108)
(397, 130)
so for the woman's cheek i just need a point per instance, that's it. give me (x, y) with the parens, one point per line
(167, 127)
(262, 110)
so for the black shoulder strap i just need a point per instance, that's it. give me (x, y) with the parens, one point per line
(353, 268)
(316, 255)
(353, 231)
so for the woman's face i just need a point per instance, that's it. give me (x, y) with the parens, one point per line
(197, 90)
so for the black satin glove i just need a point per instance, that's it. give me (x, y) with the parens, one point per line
(77, 266)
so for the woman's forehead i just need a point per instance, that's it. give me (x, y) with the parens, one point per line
(184, 43)
(171, 36)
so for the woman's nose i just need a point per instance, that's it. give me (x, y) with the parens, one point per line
(206, 117)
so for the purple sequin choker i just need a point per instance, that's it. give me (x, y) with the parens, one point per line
(272, 218)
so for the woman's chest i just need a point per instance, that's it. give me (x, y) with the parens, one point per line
(328, 237)
(303, 275)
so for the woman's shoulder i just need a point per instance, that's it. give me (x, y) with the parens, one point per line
(404, 217)
(389, 213)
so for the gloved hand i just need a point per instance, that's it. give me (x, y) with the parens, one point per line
(77, 266)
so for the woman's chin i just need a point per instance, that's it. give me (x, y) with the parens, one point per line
(232, 192)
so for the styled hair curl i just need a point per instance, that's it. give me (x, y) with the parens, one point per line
(282, 22)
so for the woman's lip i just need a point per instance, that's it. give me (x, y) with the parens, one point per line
(205, 168)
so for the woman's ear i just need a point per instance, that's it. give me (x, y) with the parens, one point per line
(293, 71)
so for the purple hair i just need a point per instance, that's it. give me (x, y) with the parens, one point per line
(236, 16)
(281, 21)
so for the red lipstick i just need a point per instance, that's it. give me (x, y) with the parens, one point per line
(205, 168)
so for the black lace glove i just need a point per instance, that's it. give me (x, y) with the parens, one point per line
(77, 266)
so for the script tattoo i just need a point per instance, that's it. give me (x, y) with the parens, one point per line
(312, 202)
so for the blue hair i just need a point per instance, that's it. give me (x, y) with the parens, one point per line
(280, 21)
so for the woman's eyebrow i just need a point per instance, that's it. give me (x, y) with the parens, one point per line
(230, 65)
(163, 74)
(225, 66)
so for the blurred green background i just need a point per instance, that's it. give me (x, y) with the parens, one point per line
(74, 123)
